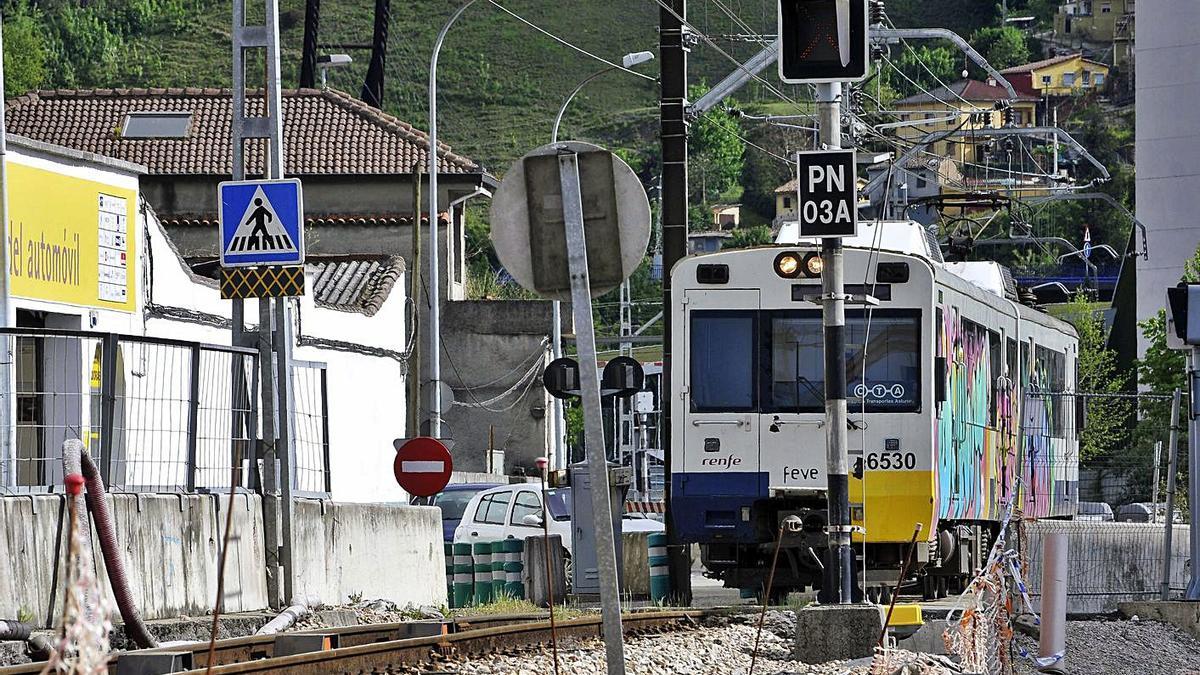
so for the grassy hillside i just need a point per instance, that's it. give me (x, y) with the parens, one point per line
(500, 81)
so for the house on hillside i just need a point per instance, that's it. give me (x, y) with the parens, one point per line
(1065, 75)
(968, 106)
(726, 216)
(1101, 27)
(358, 167)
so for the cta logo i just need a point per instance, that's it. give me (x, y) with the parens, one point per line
(721, 462)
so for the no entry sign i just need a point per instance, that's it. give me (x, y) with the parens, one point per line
(827, 193)
(422, 465)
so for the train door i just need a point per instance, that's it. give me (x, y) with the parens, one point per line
(720, 422)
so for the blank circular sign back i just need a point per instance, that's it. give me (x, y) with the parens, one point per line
(528, 228)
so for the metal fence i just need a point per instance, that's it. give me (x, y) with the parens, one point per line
(157, 415)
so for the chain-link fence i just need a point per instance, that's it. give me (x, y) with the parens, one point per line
(157, 415)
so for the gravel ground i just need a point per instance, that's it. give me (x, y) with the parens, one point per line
(1123, 648)
(709, 650)
(723, 648)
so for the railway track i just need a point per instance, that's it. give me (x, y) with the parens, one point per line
(380, 647)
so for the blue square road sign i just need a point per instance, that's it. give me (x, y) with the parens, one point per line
(262, 222)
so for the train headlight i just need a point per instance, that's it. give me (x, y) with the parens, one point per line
(788, 265)
(813, 265)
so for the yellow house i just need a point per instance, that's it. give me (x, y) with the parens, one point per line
(946, 108)
(1100, 25)
(1059, 76)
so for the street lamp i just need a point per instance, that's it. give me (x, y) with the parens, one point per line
(327, 61)
(560, 425)
(628, 61)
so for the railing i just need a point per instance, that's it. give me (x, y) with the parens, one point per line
(157, 414)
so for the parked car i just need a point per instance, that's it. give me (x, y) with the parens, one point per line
(453, 501)
(1094, 511)
(504, 513)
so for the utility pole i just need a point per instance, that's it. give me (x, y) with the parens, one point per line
(829, 114)
(274, 338)
(308, 61)
(673, 51)
(372, 91)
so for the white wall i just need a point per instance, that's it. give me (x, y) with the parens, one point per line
(365, 392)
(1168, 142)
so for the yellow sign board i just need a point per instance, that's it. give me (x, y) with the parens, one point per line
(72, 240)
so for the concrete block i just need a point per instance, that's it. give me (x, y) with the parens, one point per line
(635, 564)
(927, 639)
(535, 570)
(1183, 615)
(837, 632)
(337, 617)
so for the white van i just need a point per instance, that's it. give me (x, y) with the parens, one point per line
(504, 513)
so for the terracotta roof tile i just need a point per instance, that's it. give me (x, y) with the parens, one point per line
(969, 90)
(325, 131)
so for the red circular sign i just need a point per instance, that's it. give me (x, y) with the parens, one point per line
(422, 466)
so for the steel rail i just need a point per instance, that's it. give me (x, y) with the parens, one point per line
(384, 656)
(375, 643)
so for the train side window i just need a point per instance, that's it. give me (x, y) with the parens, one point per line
(995, 370)
(1049, 381)
(1011, 371)
(723, 361)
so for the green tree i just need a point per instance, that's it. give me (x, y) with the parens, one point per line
(1002, 47)
(717, 154)
(24, 50)
(1108, 418)
(745, 237)
(929, 67)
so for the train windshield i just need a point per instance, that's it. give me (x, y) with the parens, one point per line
(773, 361)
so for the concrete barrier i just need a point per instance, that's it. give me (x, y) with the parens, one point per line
(381, 551)
(170, 543)
(635, 564)
(1108, 563)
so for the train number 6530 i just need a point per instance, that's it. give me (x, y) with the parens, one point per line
(891, 461)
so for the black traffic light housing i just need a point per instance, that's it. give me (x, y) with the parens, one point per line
(823, 41)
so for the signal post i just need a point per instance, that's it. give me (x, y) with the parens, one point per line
(825, 42)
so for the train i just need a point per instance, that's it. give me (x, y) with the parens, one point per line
(957, 421)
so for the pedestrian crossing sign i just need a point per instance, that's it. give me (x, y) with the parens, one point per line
(262, 222)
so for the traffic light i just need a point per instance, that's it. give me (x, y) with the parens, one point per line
(823, 41)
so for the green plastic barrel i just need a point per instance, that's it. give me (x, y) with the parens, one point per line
(449, 557)
(464, 575)
(482, 551)
(499, 557)
(514, 568)
(660, 580)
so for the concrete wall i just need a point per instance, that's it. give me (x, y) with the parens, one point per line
(1168, 141)
(170, 544)
(380, 551)
(494, 343)
(1109, 563)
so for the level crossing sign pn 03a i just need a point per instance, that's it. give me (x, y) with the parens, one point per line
(827, 193)
(262, 222)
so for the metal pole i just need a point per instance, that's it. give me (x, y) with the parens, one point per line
(435, 314)
(1154, 480)
(834, 321)
(308, 59)
(414, 331)
(1052, 643)
(581, 303)
(673, 132)
(559, 422)
(1193, 587)
(8, 406)
(1172, 471)
(563, 108)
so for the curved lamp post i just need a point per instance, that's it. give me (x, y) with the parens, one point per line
(435, 332)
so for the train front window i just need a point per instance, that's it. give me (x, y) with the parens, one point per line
(797, 362)
(723, 349)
